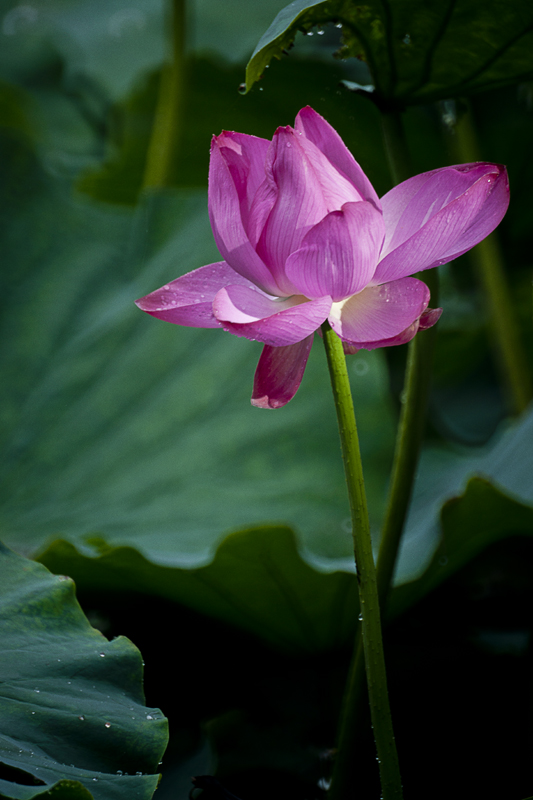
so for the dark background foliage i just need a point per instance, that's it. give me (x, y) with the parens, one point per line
(130, 450)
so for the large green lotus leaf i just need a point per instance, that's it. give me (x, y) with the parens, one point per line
(142, 431)
(257, 582)
(72, 704)
(417, 52)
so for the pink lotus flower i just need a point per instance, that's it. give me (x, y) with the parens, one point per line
(305, 238)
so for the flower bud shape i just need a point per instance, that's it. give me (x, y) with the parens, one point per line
(305, 239)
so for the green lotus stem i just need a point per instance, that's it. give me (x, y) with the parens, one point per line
(167, 126)
(366, 574)
(409, 437)
(490, 270)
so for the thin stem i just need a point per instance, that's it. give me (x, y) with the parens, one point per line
(408, 441)
(167, 126)
(366, 574)
(489, 266)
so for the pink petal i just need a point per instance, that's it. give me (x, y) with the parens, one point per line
(438, 216)
(250, 313)
(279, 373)
(427, 320)
(307, 187)
(245, 157)
(339, 254)
(225, 200)
(188, 300)
(379, 312)
(320, 133)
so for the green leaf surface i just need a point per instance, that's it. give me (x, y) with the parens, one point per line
(257, 582)
(71, 703)
(417, 52)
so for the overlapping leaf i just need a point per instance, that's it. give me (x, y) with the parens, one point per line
(257, 582)
(74, 722)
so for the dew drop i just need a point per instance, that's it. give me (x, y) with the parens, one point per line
(81, 717)
(33, 712)
(102, 655)
(360, 617)
(107, 724)
(138, 773)
(321, 31)
(149, 716)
